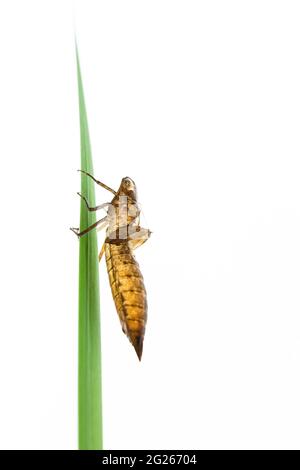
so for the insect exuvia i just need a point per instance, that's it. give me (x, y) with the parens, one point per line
(123, 235)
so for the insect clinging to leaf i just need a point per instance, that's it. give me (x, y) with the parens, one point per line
(123, 235)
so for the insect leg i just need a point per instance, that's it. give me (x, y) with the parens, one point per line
(101, 252)
(99, 182)
(139, 237)
(88, 229)
(93, 208)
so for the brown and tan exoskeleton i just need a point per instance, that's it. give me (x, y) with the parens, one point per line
(123, 236)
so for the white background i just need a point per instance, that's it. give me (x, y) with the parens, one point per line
(199, 102)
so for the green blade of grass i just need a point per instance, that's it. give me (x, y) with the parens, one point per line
(89, 348)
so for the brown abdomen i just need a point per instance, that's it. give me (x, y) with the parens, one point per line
(128, 290)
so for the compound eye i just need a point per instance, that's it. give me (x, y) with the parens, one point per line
(128, 183)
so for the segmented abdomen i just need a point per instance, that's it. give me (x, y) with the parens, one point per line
(128, 290)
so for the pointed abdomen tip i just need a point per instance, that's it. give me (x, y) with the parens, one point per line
(138, 346)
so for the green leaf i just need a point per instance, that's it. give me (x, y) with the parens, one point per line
(89, 346)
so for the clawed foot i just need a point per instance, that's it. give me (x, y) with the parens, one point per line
(75, 230)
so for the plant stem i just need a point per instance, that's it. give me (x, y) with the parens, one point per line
(89, 347)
